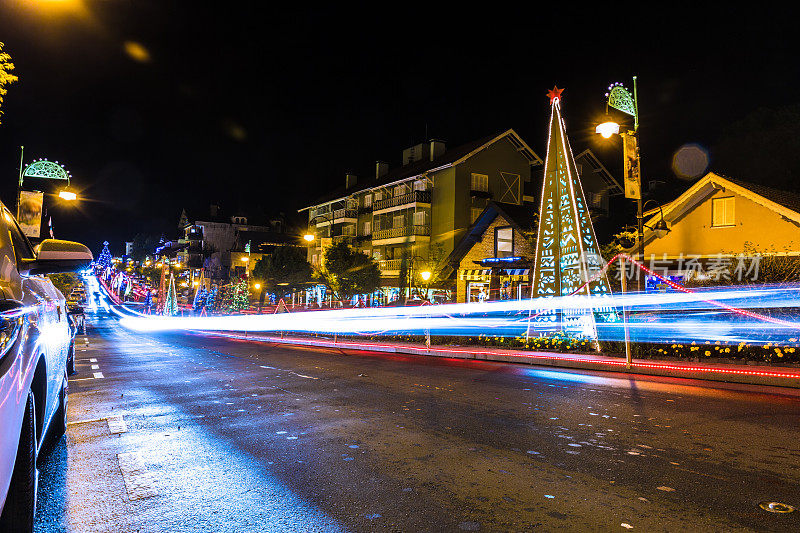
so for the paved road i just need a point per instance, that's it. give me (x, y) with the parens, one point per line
(201, 433)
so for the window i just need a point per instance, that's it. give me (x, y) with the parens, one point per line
(398, 221)
(22, 248)
(419, 218)
(400, 190)
(722, 212)
(503, 242)
(420, 185)
(378, 196)
(368, 200)
(368, 228)
(475, 212)
(315, 259)
(480, 182)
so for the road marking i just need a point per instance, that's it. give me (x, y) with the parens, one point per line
(95, 367)
(116, 424)
(138, 481)
(79, 379)
(98, 375)
(92, 360)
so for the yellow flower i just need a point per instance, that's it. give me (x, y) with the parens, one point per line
(708, 352)
(727, 350)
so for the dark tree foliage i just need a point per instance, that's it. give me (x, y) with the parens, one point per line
(142, 246)
(347, 272)
(284, 271)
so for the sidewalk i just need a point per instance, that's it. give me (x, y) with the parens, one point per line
(731, 373)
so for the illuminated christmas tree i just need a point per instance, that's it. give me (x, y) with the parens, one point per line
(568, 258)
(235, 296)
(171, 303)
(104, 260)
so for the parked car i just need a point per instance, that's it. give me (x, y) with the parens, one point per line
(35, 337)
(77, 324)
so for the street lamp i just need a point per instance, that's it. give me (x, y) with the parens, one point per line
(621, 99)
(425, 275)
(308, 237)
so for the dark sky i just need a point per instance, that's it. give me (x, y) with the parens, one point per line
(262, 108)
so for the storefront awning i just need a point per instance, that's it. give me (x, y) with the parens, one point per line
(475, 274)
(517, 272)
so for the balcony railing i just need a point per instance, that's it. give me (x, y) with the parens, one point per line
(409, 198)
(404, 231)
(389, 264)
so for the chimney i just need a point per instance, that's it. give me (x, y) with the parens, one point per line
(437, 148)
(213, 210)
(349, 180)
(381, 169)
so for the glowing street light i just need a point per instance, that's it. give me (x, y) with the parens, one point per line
(425, 275)
(67, 195)
(308, 237)
(607, 129)
(256, 286)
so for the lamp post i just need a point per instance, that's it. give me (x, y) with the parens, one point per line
(44, 169)
(621, 99)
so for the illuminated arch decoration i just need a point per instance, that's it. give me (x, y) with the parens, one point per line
(46, 169)
(567, 254)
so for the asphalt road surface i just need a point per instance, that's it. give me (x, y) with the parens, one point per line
(179, 433)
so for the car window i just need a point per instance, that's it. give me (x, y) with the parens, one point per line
(22, 248)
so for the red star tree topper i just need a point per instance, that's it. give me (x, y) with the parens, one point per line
(554, 94)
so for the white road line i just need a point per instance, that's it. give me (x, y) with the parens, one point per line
(95, 367)
(138, 481)
(92, 360)
(98, 375)
(85, 421)
(79, 379)
(116, 424)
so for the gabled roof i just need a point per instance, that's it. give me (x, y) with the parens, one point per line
(449, 158)
(784, 203)
(614, 188)
(520, 217)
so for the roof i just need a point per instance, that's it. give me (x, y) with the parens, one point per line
(614, 188)
(259, 238)
(449, 158)
(520, 217)
(784, 203)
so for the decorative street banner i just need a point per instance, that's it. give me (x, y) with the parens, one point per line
(29, 215)
(633, 180)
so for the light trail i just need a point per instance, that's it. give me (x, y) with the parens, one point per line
(719, 314)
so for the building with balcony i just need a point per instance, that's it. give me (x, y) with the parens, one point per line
(216, 242)
(421, 209)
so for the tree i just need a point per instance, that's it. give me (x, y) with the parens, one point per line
(347, 272)
(142, 246)
(6, 78)
(171, 302)
(104, 260)
(284, 271)
(235, 296)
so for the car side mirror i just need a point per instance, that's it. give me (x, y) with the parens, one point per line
(54, 256)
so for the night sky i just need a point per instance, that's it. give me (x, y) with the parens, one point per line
(262, 110)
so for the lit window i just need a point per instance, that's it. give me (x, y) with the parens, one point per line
(419, 218)
(368, 200)
(398, 221)
(474, 214)
(504, 242)
(368, 228)
(378, 196)
(722, 213)
(480, 182)
(420, 185)
(400, 190)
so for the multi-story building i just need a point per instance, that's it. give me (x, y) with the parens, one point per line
(217, 243)
(420, 210)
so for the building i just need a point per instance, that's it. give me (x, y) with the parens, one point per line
(493, 259)
(421, 210)
(217, 242)
(717, 221)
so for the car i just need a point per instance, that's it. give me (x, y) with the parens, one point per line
(35, 337)
(77, 324)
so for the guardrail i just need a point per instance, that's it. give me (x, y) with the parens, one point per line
(404, 231)
(408, 198)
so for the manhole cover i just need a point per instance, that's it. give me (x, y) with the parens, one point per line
(776, 507)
